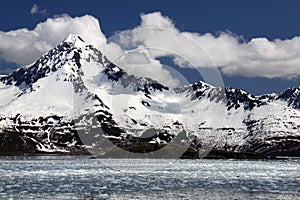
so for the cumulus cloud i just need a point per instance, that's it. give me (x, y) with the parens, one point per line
(259, 57)
(138, 50)
(24, 46)
(36, 10)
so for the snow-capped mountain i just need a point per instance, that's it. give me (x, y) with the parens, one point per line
(73, 99)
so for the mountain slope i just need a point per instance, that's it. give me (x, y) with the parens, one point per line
(73, 99)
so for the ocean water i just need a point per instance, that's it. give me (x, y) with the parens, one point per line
(51, 177)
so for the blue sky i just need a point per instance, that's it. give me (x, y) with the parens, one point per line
(247, 19)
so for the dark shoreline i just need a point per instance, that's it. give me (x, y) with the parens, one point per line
(14, 145)
(214, 154)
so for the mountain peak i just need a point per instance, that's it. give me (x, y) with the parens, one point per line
(75, 89)
(74, 39)
(66, 56)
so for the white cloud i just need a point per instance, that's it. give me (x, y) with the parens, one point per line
(36, 10)
(140, 63)
(137, 50)
(24, 46)
(259, 57)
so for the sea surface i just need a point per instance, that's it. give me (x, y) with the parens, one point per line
(58, 177)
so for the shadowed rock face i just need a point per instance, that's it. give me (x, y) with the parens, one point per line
(13, 143)
(265, 124)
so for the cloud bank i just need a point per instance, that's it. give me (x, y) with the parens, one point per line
(138, 50)
(259, 57)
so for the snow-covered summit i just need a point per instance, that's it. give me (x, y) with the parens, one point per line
(75, 40)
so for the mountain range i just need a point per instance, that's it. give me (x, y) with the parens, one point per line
(73, 100)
